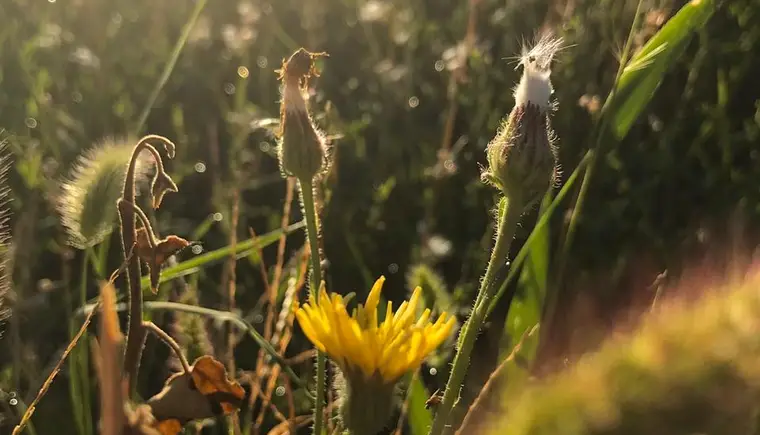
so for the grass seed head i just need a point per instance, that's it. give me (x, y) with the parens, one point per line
(87, 199)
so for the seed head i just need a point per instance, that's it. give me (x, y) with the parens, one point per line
(535, 86)
(86, 198)
(522, 158)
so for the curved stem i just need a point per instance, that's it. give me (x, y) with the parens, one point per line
(504, 234)
(170, 342)
(312, 232)
(145, 223)
(135, 330)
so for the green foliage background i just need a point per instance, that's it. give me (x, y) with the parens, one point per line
(73, 72)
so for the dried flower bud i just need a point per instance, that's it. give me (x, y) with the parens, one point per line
(366, 404)
(302, 145)
(162, 183)
(522, 159)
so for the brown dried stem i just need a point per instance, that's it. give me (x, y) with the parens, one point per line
(273, 286)
(286, 334)
(135, 330)
(170, 342)
(49, 381)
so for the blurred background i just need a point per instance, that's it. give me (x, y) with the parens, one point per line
(411, 93)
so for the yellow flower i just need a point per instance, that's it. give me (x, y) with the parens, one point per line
(359, 345)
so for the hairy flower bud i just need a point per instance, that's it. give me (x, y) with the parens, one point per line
(302, 146)
(522, 159)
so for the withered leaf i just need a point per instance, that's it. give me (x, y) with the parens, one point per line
(169, 427)
(203, 393)
(210, 378)
(107, 357)
(155, 252)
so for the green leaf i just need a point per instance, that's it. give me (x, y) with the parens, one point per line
(242, 249)
(419, 417)
(644, 72)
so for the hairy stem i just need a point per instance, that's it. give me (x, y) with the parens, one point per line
(135, 330)
(312, 232)
(504, 234)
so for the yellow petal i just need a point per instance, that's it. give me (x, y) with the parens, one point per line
(374, 295)
(308, 329)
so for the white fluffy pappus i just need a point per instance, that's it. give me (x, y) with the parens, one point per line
(535, 85)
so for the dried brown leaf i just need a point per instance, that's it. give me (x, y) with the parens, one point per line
(203, 393)
(155, 252)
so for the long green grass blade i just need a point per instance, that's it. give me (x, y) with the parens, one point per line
(242, 249)
(418, 416)
(643, 74)
(167, 72)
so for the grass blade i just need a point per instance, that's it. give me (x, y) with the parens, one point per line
(418, 416)
(199, 5)
(242, 249)
(644, 72)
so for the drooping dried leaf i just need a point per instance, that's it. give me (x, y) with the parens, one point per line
(210, 378)
(155, 256)
(203, 393)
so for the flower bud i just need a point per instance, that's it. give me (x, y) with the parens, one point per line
(365, 404)
(522, 159)
(302, 146)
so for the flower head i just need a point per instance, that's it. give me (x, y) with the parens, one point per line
(522, 157)
(359, 345)
(371, 357)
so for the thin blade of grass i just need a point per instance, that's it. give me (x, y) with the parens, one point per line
(241, 250)
(645, 71)
(199, 5)
(49, 381)
(419, 417)
(223, 316)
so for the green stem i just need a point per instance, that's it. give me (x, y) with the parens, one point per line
(312, 232)
(504, 235)
(75, 384)
(82, 357)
